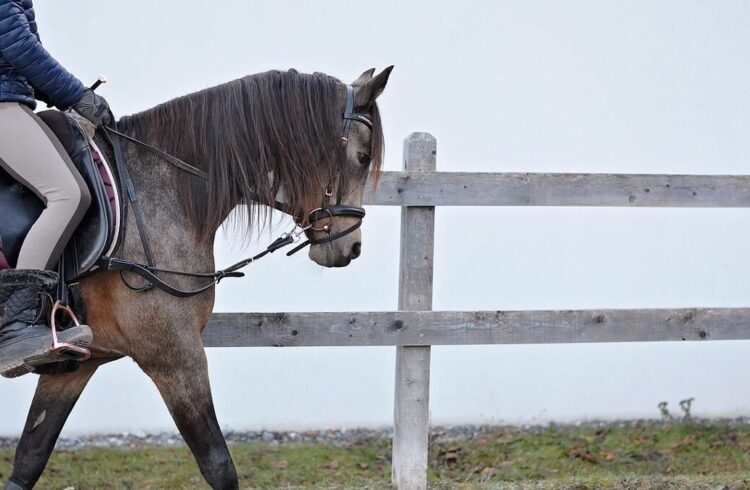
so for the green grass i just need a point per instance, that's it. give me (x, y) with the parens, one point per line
(705, 455)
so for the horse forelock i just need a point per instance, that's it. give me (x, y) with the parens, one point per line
(281, 124)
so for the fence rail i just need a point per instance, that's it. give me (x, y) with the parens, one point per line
(418, 189)
(540, 189)
(419, 328)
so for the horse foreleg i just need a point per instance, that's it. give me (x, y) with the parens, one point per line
(55, 397)
(182, 380)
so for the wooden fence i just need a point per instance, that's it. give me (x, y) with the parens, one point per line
(414, 328)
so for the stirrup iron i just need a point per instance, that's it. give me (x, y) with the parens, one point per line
(63, 349)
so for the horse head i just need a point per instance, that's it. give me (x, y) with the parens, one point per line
(359, 157)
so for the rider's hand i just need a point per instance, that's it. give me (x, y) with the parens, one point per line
(94, 108)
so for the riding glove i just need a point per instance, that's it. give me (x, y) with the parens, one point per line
(94, 108)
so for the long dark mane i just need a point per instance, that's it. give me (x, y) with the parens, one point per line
(280, 123)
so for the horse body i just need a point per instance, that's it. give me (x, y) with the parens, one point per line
(162, 333)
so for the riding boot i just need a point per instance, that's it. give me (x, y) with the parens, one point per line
(25, 340)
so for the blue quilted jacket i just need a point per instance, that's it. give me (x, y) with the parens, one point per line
(25, 66)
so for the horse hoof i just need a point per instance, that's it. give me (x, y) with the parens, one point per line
(12, 486)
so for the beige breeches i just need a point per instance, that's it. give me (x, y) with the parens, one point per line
(31, 153)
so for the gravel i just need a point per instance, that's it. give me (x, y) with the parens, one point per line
(138, 439)
(338, 437)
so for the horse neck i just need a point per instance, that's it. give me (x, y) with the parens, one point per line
(169, 233)
(162, 175)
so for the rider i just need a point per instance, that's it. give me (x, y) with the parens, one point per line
(31, 153)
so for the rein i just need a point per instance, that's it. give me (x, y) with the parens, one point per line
(302, 221)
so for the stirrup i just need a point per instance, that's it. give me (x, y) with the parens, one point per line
(63, 349)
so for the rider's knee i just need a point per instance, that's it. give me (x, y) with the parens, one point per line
(74, 198)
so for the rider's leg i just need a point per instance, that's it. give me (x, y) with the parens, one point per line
(32, 154)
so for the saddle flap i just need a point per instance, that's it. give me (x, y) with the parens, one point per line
(21, 208)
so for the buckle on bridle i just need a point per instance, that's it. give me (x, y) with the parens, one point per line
(312, 219)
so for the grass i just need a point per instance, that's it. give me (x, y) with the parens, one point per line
(704, 455)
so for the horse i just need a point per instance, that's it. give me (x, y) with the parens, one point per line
(260, 139)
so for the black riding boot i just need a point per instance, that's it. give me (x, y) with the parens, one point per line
(25, 341)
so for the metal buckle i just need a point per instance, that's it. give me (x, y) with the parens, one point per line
(298, 231)
(326, 227)
(63, 349)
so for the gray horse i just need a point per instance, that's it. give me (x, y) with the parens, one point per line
(274, 135)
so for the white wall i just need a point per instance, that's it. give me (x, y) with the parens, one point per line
(580, 86)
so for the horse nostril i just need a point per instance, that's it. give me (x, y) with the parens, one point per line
(356, 250)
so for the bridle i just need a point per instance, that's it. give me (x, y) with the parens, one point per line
(305, 223)
(328, 211)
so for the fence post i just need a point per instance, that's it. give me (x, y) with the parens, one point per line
(411, 413)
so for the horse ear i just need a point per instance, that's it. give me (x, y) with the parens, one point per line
(370, 91)
(363, 78)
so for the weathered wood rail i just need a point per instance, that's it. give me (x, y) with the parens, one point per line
(413, 329)
(526, 189)
(419, 328)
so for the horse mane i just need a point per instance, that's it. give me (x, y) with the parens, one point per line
(280, 123)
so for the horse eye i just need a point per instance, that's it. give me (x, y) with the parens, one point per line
(364, 158)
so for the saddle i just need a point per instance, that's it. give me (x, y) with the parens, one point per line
(96, 235)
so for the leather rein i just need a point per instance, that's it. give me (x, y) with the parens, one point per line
(304, 222)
